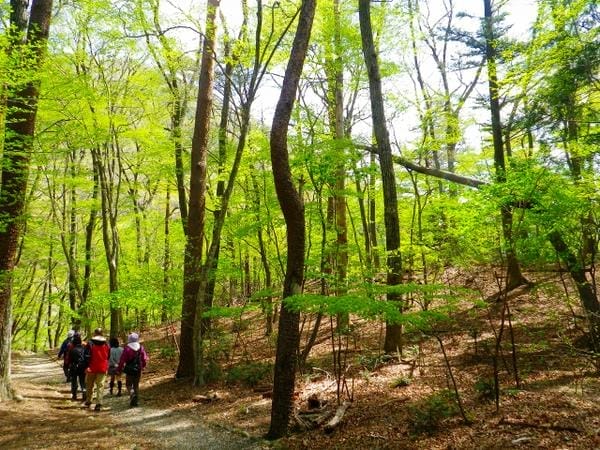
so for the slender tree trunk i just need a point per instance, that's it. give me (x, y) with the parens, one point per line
(372, 204)
(393, 336)
(166, 257)
(268, 303)
(365, 224)
(38, 321)
(21, 110)
(46, 291)
(292, 207)
(89, 242)
(176, 119)
(73, 283)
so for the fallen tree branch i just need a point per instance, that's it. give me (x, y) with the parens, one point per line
(547, 426)
(337, 419)
(438, 173)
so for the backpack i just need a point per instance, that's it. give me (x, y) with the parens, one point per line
(78, 360)
(134, 365)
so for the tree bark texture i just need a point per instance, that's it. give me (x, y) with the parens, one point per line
(393, 336)
(196, 213)
(514, 275)
(293, 212)
(21, 109)
(110, 235)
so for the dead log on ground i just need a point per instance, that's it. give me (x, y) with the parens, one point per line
(548, 426)
(337, 419)
(206, 398)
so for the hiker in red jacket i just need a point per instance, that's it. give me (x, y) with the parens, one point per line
(97, 353)
(133, 360)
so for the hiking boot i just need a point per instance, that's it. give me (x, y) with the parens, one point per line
(111, 387)
(119, 386)
(98, 407)
(134, 401)
(74, 397)
(87, 404)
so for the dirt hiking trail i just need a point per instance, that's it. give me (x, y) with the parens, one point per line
(47, 418)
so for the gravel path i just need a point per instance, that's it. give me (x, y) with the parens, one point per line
(47, 418)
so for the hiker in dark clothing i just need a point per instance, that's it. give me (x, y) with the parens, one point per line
(132, 362)
(62, 353)
(77, 365)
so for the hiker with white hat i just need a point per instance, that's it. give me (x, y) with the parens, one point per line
(133, 360)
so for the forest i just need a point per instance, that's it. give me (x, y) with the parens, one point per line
(363, 185)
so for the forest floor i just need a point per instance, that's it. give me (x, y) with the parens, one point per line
(405, 402)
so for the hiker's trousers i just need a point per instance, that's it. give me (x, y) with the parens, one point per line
(91, 380)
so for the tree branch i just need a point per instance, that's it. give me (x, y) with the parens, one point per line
(439, 173)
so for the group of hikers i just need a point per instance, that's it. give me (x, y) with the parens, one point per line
(86, 365)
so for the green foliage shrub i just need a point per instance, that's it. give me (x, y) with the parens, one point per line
(426, 415)
(212, 371)
(485, 389)
(372, 362)
(401, 381)
(218, 343)
(249, 373)
(167, 352)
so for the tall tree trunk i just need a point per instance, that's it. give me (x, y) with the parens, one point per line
(166, 258)
(208, 271)
(73, 282)
(293, 211)
(168, 62)
(514, 275)
(393, 335)
(225, 190)
(196, 214)
(335, 81)
(110, 236)
(373, 241)
(268, 302)
(21, 109)
(46, 295)
(89, 242)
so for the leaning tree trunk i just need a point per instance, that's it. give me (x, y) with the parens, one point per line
(393, 335)
(21, 109)
(587, 293)
(293, 212)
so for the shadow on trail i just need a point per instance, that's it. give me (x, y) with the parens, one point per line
(47, 416)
